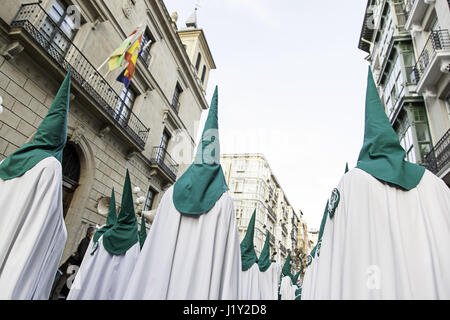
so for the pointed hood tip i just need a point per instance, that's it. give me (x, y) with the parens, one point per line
(248, 253)
(124, 234)
(264, 258)
(203, 183)
(381, 155)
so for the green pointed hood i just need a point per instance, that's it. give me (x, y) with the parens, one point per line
(124, 234)
(286, 271)
(297, 275)
(143, 232)
(248, 254)
(264, 258)
(49, 140)
(346, 167)
(203, 183)
(110, 219)
(381, 155)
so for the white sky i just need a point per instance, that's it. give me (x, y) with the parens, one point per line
(292, 85)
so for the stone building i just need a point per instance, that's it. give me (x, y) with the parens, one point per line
(110, 128)
(409, 50)
(253, 185)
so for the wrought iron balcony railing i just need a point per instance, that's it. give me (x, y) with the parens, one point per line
(162, 158)
(283, 249)
(439, 156)
(438, 40)
(37, 23)
(271, 213)
(283, 227)
(271, 237)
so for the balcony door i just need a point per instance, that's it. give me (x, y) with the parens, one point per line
(125, 105)
(163, 147)
(58, 28)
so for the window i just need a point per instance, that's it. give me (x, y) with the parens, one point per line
(176, 97)
(163, 146)
(59, 21)
(149, 199)
(146, 44)
(197, 64)
(125, 105)
(203, 74)
(422, 131)
(393, 88)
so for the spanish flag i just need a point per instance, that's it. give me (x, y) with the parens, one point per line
(131, 56)
(116, 58)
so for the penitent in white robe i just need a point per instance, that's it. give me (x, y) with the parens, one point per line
(269, 282)
(189, 257)
(249, 286)
(287, 289)
(384, 243)
(32, 229)
(103, 276)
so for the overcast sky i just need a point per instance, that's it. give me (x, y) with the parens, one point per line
(292, 85)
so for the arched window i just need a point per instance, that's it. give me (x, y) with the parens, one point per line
(203, 74)
(197, 64)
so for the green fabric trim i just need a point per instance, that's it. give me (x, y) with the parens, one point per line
(143, 232)
(346, 167)
(264, 258)
(124, 234)
(49, 140)
(110, 219)
(203, 183)
(381, 155)
(248, 253)
(298, 294)
(286, 271)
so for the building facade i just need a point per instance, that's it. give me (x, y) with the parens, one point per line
(253, 185)
(412, 73)
(110, 128)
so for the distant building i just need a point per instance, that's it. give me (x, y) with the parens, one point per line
(253, 185)
(313, 237)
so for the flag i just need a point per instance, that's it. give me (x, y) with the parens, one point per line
(116, 58)
(131, 56)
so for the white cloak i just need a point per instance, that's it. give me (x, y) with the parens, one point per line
(287, 289)
(384, 243)
(249, 286)
(269, 282)
(32, 229)
(189, 257)
(103, 276)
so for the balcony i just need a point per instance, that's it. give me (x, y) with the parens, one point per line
(32, 25)
(283, 249)
(438, 159)
(162, 161)
(433, 61)
(283, 227)
(271, 238)
(271, 213)
(416, 10)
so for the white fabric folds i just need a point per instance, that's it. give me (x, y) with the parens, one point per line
(384, 243)
(103, 276)
(269, 282)
(33, 233)
(287, 289)
(189, 257)
(249, 284)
